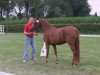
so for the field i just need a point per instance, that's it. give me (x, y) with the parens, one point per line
(11, 52)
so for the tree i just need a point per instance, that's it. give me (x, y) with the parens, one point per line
(68, 8)
(95, 14)
(59, 8)
(9, 5)
(2, 6)
(20, 6)
(37, 8)
(53, 6)
(80, 7)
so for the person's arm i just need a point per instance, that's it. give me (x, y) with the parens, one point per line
(30, 33)
(26, 33)
(25, 30)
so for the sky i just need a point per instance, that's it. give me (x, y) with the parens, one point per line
(95, 6)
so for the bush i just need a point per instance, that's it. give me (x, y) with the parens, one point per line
(13, 22)
(84, 24)
(13, 28)
(83, 28)
(75, 20)
(2, 19)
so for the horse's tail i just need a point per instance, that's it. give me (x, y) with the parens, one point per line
(77, 47)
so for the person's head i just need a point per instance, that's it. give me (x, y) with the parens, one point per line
(31, 20)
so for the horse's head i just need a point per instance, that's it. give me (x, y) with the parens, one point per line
(36, 24)
(42, 23)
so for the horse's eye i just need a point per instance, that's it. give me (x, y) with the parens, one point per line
(34, 23)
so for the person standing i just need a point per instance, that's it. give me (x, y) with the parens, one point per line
(29, 40)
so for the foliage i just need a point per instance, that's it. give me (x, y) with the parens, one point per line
(58, 21)
(14, 29)
(13, 22)
(9, 5)
(68, 8)
(80, 7)
(87, 25)
(75, 20)
(44, 8)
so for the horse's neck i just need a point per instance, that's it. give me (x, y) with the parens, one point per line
(46, 27)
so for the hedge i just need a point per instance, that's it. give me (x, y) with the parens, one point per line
(83, 28)
(59, 21)
(13, 28)
(75, 20)
(90, 25)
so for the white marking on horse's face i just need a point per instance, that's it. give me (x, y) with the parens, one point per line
(37, 21)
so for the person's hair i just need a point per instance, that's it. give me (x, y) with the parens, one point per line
(30, 18)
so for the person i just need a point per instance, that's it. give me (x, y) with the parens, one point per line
(29, 39)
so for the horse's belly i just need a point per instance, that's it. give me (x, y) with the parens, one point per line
(58, 42)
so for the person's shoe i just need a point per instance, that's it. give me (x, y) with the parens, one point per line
(33, 59)
(24, 61)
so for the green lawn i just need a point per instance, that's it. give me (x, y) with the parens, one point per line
(11, 52)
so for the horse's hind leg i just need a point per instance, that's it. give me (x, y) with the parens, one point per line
(74, 62)
(47, 52)
(77, 50)
(55, 51)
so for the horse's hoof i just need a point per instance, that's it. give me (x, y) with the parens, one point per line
(46, 62)
(57, 62)
(74, 65)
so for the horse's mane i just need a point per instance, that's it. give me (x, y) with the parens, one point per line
(42, 19)
(46, 23)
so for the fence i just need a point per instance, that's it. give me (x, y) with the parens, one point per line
(1, 29)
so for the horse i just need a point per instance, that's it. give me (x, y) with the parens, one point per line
(57, 36)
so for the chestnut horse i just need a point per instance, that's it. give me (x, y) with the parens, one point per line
(57, 36)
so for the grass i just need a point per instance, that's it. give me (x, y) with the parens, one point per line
(11, 52)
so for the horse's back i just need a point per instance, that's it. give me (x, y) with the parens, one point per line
(70, 30)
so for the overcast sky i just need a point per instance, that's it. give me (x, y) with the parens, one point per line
(95, 5)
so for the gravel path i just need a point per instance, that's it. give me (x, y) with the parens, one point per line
(90, 36)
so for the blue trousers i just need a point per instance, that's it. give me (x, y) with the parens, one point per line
(29, 41)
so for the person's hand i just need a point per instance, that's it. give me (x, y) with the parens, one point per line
(33, 33)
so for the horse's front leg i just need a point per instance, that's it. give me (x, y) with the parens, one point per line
(47, 52)
(55, 51)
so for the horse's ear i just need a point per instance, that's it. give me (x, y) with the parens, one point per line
(37, 18)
